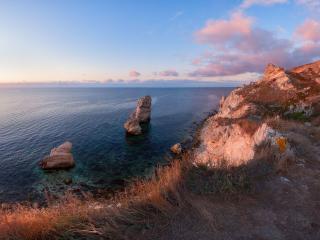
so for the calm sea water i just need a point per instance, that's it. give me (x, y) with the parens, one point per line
(33, 121)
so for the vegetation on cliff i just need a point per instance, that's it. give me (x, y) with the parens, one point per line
(252, 173)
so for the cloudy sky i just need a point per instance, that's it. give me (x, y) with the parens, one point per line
(131, 41)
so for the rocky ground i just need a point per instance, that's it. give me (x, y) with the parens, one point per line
(252, 173)
(270, 128)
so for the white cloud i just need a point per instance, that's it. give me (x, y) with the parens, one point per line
(249, 3)
(313, 5)
(176, 15)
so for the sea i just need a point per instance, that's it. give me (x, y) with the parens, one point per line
(35, 120)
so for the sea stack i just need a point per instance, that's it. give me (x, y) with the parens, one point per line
(59, 158)
(142, 114)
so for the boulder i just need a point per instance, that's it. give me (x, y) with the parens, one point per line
(142, 114)
(63, 148)
(176, 148)
(59, 158)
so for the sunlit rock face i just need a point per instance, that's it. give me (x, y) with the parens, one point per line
(142, 114)
(59, 158)
(309, 71)
(241, 126)
(132, 126)
(143, 110)
(176, 148)
(229, 105)
(278, 76)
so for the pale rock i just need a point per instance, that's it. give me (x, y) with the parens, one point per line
(278, 77)
(301, 107)
(229, 104)
(132, 126)
(176, 148)
(142, 114)
(143, 110)
(233, 145)
(59, 158)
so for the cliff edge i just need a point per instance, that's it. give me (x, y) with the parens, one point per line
(249, 118)
(252, 173)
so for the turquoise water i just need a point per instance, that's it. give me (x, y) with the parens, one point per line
(33, 121)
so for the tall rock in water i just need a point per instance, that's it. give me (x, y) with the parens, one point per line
(143, 110)
(142, 114)
(59, 158)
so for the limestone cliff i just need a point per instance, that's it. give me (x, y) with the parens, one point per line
(246, 121)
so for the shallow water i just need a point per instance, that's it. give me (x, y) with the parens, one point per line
(33, 121)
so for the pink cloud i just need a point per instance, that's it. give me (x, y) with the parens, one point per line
(218, 31)
(238, 33)
(134, 73)
(169, 73)
(309, 31)
(239, 49)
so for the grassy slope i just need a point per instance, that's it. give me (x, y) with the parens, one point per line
(184, 202)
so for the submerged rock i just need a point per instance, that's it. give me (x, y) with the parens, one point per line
(176, 148)
(142, 114)
(59, 158)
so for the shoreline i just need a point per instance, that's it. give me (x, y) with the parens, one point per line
(249, 165)
(188, 144)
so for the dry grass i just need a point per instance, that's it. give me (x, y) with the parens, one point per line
(23, 222)
(158, 198)
(141, 206)
(249, 126)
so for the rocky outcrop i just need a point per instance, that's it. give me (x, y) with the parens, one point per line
(242, 126)
(277, 76)
(142, 114)
(59, 158)
(132, 126)
(176, 148)
(143, 110)
(309, 71)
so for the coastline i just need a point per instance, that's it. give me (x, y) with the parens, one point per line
(254, 164)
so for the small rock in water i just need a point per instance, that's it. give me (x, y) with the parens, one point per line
(142, 114)
(59, 158)
(176, 148)
(68, 181)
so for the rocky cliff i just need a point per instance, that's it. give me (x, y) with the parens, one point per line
(249, 118)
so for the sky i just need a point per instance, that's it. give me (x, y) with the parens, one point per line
(154, 42)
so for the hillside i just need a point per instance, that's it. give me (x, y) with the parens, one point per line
(252, 173)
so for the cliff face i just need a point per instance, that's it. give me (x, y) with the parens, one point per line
(248, 119)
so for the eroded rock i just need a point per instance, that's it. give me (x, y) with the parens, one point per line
(176, 148)
(142, 114)
(59, 158)
(242, 126)
(132, 126)
(143, 110)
